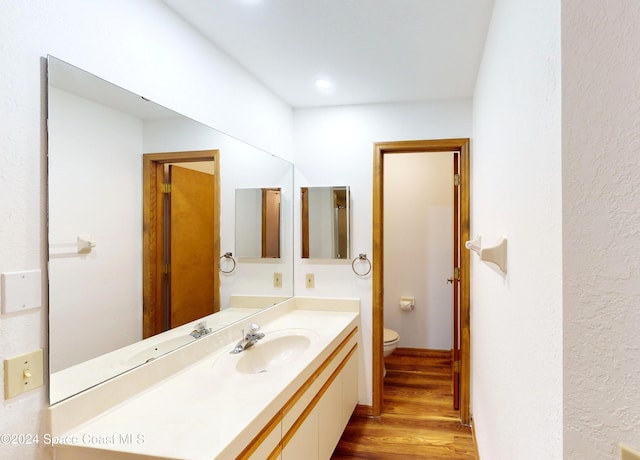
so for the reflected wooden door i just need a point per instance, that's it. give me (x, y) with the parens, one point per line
(304, 205)
(193, 272)
(270, 222)
(341, 229)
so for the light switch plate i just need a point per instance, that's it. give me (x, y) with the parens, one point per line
(23, 373)
(277, 280)
(310, 280)
(21, 291)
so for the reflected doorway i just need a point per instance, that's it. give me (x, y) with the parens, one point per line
(181, 244)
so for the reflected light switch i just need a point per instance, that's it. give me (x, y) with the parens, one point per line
(21, 291)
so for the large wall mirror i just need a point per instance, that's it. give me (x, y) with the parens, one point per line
(98, 135)
(325, 225)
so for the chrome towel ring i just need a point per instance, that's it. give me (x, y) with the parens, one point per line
(363, 259)
(225, 257)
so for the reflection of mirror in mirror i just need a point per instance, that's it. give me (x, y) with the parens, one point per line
(258, 222)
(325, 222)
(97, 134)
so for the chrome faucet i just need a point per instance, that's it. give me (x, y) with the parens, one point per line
(200, 330)
(249, 339)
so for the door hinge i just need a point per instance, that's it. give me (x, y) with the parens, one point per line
(166, 188)
(456, 273)
(166, 269)
(456, 180)
(456, 366)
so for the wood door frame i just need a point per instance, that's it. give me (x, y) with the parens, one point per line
(439, 145)
(152, 239)
(304, 205)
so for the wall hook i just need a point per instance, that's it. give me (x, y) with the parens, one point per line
(85, 244)
(474, 245)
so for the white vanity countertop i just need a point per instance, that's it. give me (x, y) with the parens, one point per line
(75, 379)
(200, 414)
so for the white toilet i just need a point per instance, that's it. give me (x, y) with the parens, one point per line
(391, 339)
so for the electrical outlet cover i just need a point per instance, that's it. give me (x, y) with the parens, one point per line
(21, 291)
(310, 278)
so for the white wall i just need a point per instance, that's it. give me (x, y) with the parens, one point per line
(516, 327)
(334, 146)
(248, 223)
(418, 248)
(94, 190)
(138, 45)
(601, 222)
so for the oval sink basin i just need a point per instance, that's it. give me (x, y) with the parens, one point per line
(272, 353)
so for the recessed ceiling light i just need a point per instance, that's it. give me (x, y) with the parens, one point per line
(323, 84)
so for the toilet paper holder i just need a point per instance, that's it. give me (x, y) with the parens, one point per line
(407, 303)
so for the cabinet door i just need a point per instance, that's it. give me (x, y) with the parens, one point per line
(268, 445)
(304, 442)
(330, 418)
(349, 388)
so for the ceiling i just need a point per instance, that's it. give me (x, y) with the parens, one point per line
(374, 51)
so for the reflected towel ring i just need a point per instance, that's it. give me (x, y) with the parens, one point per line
(364, 258)
(226, 256)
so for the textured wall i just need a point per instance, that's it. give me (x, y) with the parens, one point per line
(601, 221)
(516, 329)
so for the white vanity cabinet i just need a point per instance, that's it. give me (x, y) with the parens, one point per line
(319, 433)
(336, 407)
(313, 420)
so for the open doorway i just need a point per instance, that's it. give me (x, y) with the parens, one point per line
(181, 238)
(459, 151)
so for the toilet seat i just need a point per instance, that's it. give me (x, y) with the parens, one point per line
(390, 336)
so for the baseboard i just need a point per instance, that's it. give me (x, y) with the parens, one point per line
(423, 352)
(475, 441)
(362, 410)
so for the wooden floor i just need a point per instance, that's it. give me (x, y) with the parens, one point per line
(418, 420)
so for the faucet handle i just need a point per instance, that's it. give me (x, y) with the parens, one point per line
(253, 328)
